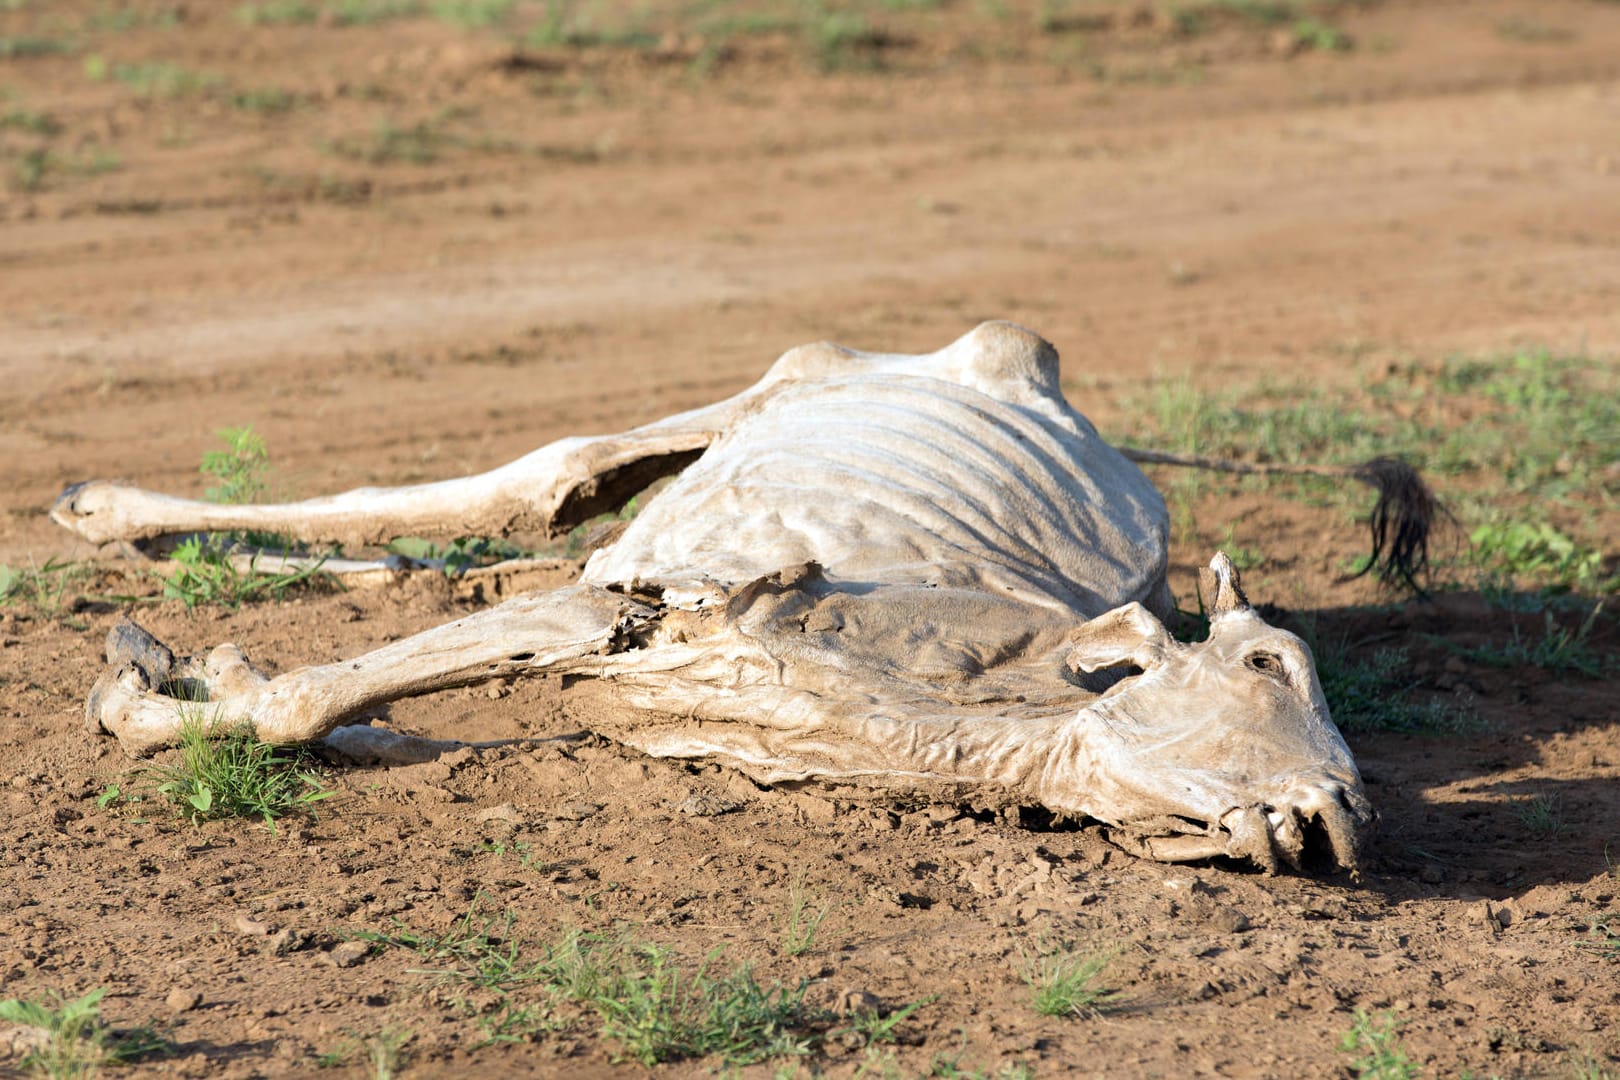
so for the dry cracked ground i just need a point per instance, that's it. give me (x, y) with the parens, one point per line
(408, 239)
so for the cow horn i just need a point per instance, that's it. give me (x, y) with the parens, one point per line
(1227, 588)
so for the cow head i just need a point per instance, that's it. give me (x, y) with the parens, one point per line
(1220, 747)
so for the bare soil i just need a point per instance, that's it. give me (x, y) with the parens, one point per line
(591, 238)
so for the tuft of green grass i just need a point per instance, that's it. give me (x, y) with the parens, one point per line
(1377, 1043)
(1063, 982)
(383, 1051)
(205, 572)
(1558, 649)
(52, 589)
(1585, 1064)
(232, 774)
(75, 1041)
(460, 554)
(1531, 30)
(27, 47)
(471, 14)
(1374, 693)
(337, 13)
(1537, 553)
(652, 1005)
(1603, 937)
(277, 13)
(879, 1026)
(153, 79)
(263, 99)
(1541, 814)
(806, 912)
(30, 121)
(32, 169)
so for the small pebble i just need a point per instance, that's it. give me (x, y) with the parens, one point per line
(348, 953)
(182, 1000)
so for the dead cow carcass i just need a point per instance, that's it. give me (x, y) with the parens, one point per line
(899, 572)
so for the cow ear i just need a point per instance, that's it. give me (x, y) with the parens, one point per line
(1126, 635)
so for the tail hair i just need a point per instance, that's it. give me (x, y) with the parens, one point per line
(1401, 521)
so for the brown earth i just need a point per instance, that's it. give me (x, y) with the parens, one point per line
(602, 236)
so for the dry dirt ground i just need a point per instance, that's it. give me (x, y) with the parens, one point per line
(408, 248)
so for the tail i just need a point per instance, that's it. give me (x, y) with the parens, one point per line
(1401, 519)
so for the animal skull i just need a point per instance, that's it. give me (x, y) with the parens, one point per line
(903, 573)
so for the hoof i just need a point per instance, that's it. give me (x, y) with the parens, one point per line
(132, 651)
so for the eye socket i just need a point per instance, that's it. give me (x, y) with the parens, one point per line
(1267, 664)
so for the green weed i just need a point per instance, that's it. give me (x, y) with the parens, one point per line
(277, 13)
(332, 12)
(877, 1027)
(76, 1042)
(1532, 30)
(1063, 982)
(154, 79)
(28, 47)
(1377, 1042)
(649, 1003)
(32, 169)
(843, 40)
(1603, 937)
(1558, 649)
(1585, 1064)
(383, 1052)
(52, 589)
(460, 554)
(470, 14)
(1537, 553)
(206, 572)
(1541, 814)
(806, 912)
(232, 774)
(238, 469)
(1315, 34)
(207, 568)
(264, 99)
(27, 120)
(1374, 693)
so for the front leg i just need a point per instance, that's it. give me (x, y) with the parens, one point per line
(550, 490)
(145, 695)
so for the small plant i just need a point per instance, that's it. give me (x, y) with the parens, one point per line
(1377, 1041)
(1584, 1064)
(1062, 982)
(51, 589)
(207, 573)
(384, 1052)
(1603, 936)
(878, 1027)
(806, 913)
(460, 555)
(1558, 649)
(1315, 34)
(1537, 551)
(75, 1041)
(238, 470)
(1542, 814)
(471, 14)
(1374, 694)
(232, 774)
(22, 48)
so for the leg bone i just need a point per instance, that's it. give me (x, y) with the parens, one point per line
(568, 631)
